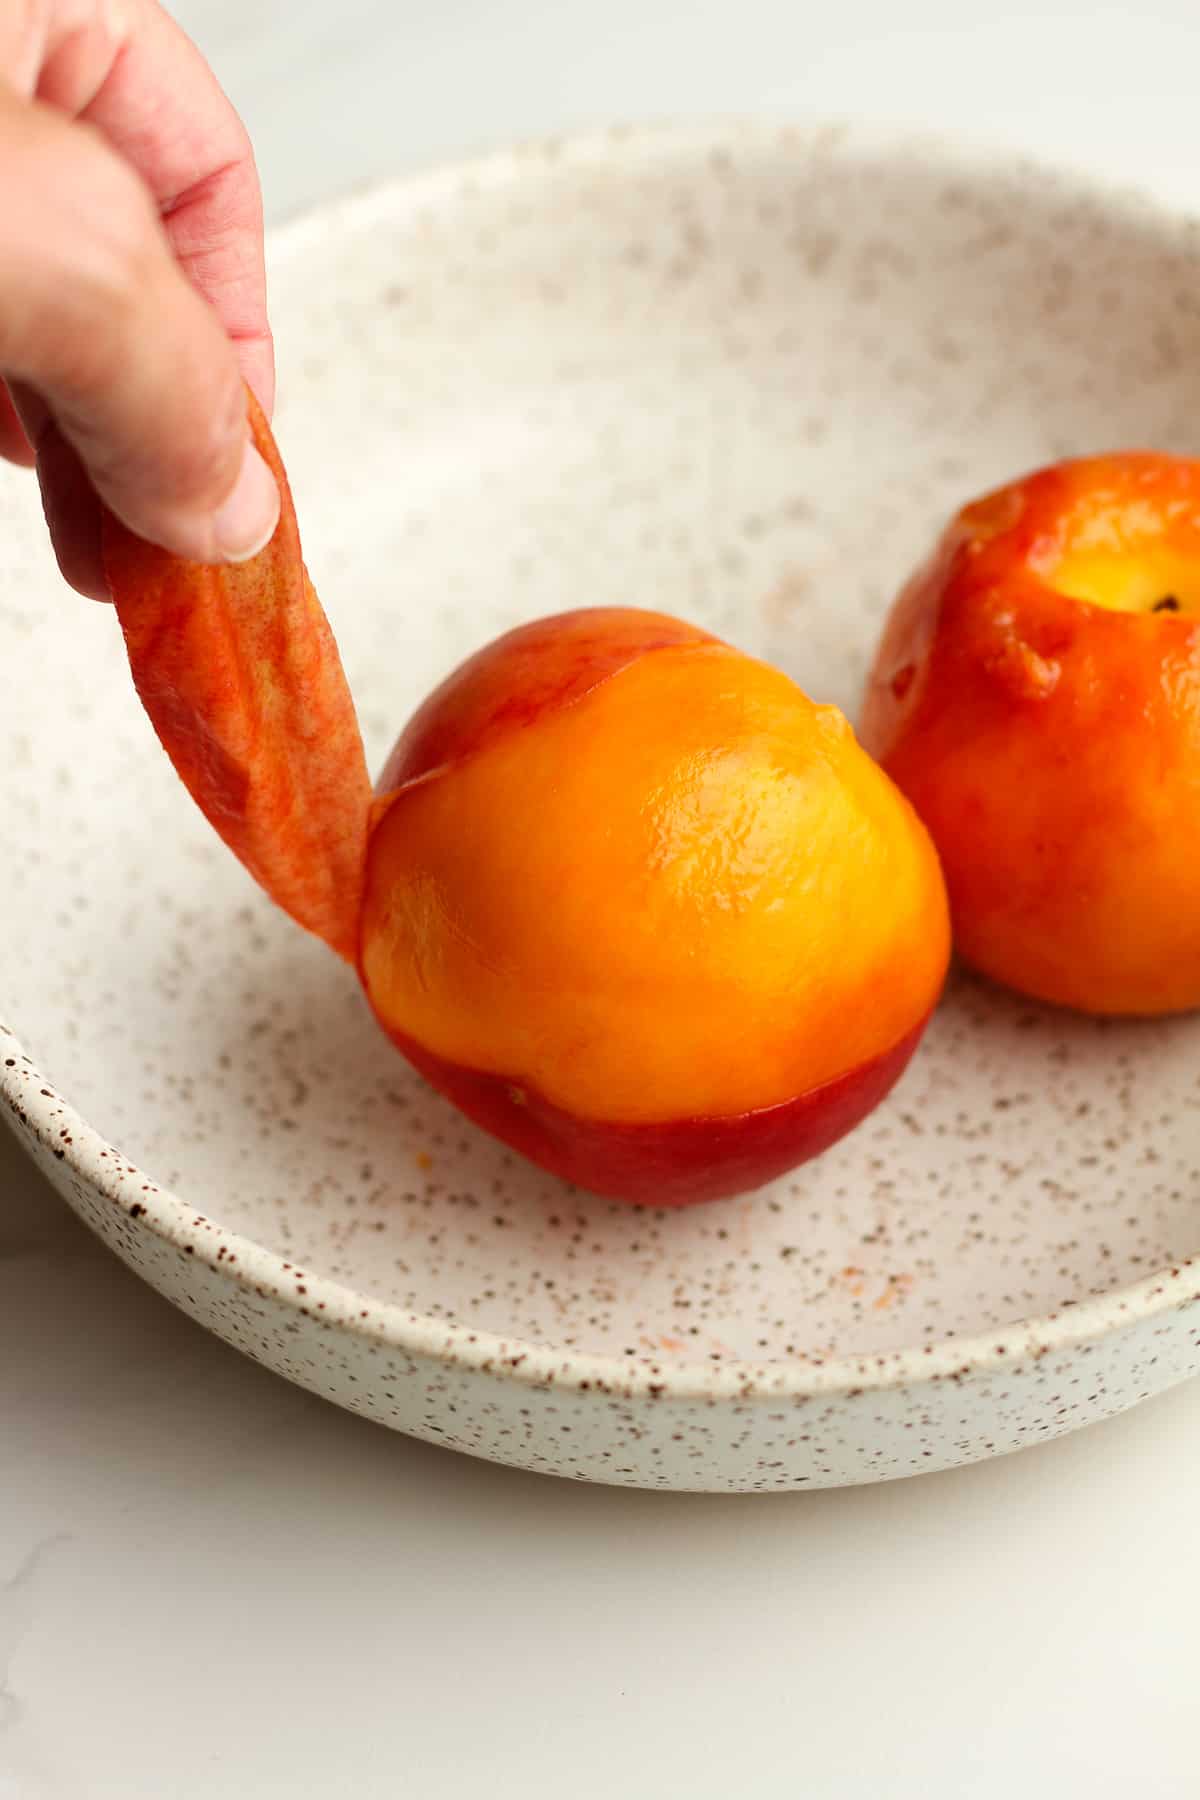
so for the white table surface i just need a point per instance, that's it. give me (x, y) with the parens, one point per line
(212, 1584)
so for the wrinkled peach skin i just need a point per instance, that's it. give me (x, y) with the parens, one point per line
(240, 675)
(624, 895)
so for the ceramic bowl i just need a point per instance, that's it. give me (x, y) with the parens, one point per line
(741, 374)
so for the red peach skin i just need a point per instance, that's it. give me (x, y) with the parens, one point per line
(679, 1162)
(240, 674)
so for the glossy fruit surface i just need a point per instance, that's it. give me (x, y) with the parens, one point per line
(1036, 694)
(645, 911)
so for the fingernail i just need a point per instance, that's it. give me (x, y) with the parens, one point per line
(246, 521)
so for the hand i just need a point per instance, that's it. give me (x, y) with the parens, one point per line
(132, 289)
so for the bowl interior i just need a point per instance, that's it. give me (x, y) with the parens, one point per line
(740, 376)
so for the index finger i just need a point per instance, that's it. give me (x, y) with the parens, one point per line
(163, 110)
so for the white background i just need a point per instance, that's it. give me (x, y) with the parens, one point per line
(211, 1584)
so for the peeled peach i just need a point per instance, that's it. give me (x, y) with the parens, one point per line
(627, 897)
(1037, 696)
(644, 911)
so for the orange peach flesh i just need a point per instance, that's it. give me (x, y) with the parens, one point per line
(1125, 552)
(687, 894)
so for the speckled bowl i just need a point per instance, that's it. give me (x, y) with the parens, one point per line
(740, 374)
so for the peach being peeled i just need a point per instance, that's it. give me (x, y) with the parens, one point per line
(1036, 695)
(624, 895)
(644, 911)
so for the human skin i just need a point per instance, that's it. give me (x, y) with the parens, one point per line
(132, 292)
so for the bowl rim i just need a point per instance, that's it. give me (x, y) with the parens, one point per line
(34, 1106)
